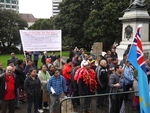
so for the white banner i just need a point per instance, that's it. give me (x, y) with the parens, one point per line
(41, 40)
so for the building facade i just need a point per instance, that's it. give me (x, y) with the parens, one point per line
(10, 4)
(55, 5)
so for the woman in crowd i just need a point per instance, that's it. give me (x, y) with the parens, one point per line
(32, 86)
(44, 98)
(51, 70)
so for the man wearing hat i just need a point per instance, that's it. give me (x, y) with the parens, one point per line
(87, 84)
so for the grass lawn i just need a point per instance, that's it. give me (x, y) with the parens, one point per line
(4, 58)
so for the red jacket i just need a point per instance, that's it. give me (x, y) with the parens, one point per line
(66, 71)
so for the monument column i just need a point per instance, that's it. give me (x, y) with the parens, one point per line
(130, 20)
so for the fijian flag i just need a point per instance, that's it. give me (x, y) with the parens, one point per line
(136, 58)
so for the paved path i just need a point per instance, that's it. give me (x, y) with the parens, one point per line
(70, 109)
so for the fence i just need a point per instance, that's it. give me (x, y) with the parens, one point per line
(65, 105)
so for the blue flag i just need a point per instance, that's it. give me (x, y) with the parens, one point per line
(136, 58)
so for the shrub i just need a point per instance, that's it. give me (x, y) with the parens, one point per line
(8, 50)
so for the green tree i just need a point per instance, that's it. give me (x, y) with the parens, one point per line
(89, 21)
(44, 24)
(72, 15)
(10, 23)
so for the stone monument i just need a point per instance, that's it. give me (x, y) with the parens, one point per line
(134, 15)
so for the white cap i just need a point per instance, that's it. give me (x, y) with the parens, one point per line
(85, 63)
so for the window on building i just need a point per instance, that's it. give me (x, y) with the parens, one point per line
(2, 5)
(7, 1)
(56, 2)
(14, 6)
(1, 0)
(7, 6)
(13, 2)
(55, 5)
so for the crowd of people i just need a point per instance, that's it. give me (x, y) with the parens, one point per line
(81, 74)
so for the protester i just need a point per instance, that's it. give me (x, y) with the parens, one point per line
(87, 84)
(36, 58)
(113, 53)
(28, 66)
(75, 88)
(19, 71)
(59, 63)
(102, 78)
(56, 87)
(44, 98)
(13, 59)
(92, 64)
(128, 49)
(75, 59)
(114, 62)
(2, 70)
(116, 85)
(32, 86)
(48, 62)
(51, 69)
(66, 73)
(82, 54)
(53, 56)
(8, 90)
(128, 76)
(86, 59)
(124, 60)
(71, 54)
(44, 57)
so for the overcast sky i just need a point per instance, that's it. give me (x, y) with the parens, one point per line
(39, 8)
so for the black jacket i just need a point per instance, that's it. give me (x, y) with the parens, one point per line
(32, 88)
(103, 78)
(2, 85)
(83, 88)
(20, 76)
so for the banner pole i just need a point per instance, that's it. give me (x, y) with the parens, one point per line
(60, 58)
(25, 57)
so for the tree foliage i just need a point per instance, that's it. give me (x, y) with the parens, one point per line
(44, 24)
(10, 23)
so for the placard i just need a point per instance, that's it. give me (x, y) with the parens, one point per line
(41, 40)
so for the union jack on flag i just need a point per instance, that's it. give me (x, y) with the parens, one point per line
(138, 44)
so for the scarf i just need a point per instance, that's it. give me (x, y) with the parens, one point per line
(89, 77)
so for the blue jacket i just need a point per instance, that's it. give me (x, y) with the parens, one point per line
(36, 55)
(128, 75)
(58, 84)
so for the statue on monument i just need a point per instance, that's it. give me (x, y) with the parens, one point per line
(137, 4)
